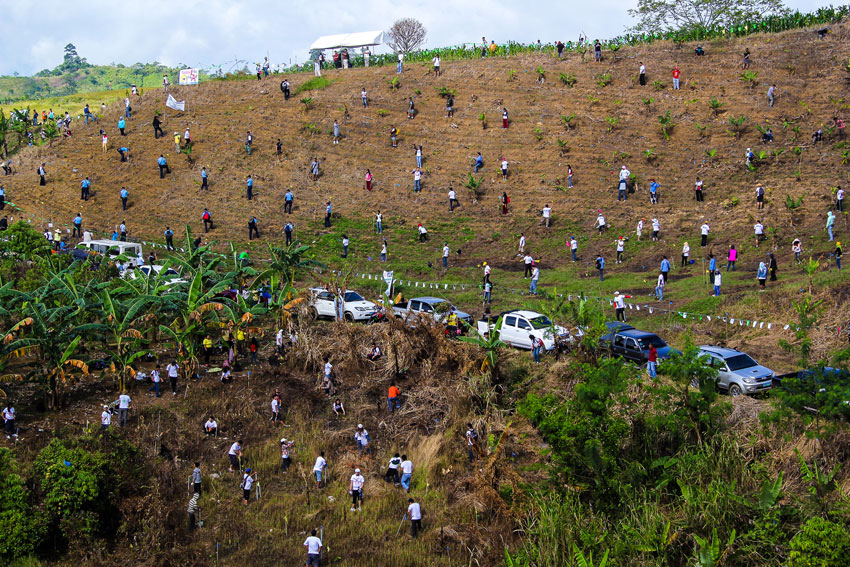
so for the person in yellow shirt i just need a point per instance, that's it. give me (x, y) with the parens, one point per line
(451, 322)
(177, 142)
(240, 340)
(208, 346)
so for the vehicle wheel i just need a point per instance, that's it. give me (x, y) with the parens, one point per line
(735, 390)
(313, 314)
(348, 316)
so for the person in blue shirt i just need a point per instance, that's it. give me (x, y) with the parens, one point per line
(204, 183)
(121, 125)
(712, 266)
(665, 268)
(85, 185)
(287, 201)
(123, 150)
(163, 166)
(600, 267)
(2, 198)
(87, 115)
(761, 275)
(249, 182)
(124, 194)
(114, 235)
(78, 226)
(653, 191)
(169, 238)
(479, 163)
(328, 215)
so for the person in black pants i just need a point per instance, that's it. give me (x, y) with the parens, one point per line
(157, 130)
(207, 218)
(41, 174)
(288, 231)
(169, 238)
(252, 228)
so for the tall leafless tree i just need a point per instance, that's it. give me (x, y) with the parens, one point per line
(406, 35)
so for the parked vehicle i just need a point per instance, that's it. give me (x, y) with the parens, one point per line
(737, 372)
(169, 275)
(323, 303)
(632, 344)
(517, 325)
(111, 249)
(434, 307)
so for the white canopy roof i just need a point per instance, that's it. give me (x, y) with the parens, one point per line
(348, 40)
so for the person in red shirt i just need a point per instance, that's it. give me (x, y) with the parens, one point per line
(651, 360)
(676, 78)
(393, 399)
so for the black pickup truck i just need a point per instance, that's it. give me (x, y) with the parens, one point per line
(630, 343)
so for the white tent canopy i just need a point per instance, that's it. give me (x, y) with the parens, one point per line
(348, 40)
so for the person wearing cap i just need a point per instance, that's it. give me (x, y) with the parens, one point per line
(355, 488)
(362, 438)
(105, 418)
(621, 245)
(600, 221)
(177, 142)
(285, 459)
(248, 479)
(487, 270)
(838, 253)
(620, 305)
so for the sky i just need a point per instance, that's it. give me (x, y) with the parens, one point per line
(207, 33)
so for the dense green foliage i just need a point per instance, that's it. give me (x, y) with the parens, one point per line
(21, 528)
(820, 543)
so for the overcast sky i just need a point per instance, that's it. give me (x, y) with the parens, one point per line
(215, 32)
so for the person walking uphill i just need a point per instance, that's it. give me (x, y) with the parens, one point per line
(314, 549)
(163, 166)
(249, 187)
(157, 128)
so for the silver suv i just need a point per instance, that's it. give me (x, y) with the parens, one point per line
(737, 373)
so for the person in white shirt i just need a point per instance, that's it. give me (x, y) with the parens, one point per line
(704, 230)
(528, 260)
(639, 229)
(105, 418)
(656, 228)
(487, 270)
(355, 488)
(123, 408)
(436, 62)
(758, 228)
(362, 438)
(314, 547)
(392, 470)
(686, 252)
(285, 459)
(573, 247)
(445, 254)
(275, 409)
(417, 180)
(620, 305)
(327, 381)
(173, 370)
(235, 455)
(319, 468)
(621, 246)
(453, 202)
(839, 199)
(9, 421)
(278, 341)
(642, 74)
(547, 215)
(423, 232)
(414, 512)
(400, 66)
(211, 426)
(600, 222)
(717, 281)
(156, 379)
(624, 173)
(535, 276)
(521, 249)
(406, 472)
(659, 288)
(504, 168)
(248, 479)
(364, 97)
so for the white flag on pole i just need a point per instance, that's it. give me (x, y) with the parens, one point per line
(172, 103)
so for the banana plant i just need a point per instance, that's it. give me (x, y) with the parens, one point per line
(491, 344)
(123, 323)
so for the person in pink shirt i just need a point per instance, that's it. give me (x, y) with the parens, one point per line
(732, 258)
(368, 180)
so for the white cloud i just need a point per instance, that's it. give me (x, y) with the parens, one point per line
(197, 32)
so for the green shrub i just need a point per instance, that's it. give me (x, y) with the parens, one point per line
(820, 543)
(22, 529)
(314, 84)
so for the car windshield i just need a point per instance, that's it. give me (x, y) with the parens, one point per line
(352, 296)
(653, 340)
(740, 361)
(540, 322)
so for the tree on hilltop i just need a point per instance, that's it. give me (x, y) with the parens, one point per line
(406, 35)
(665, 15)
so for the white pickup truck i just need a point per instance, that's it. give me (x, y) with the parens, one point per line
(519, 324)
(323, 303)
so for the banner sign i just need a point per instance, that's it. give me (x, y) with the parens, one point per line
(188, 77)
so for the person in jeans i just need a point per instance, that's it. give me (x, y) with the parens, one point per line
(123, 409)
(731, 258)
(393, 398)
(652, 357)
(406, 472)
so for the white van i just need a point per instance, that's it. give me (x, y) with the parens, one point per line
(112, 248)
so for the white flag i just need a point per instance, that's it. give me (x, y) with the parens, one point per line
(172, 103)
